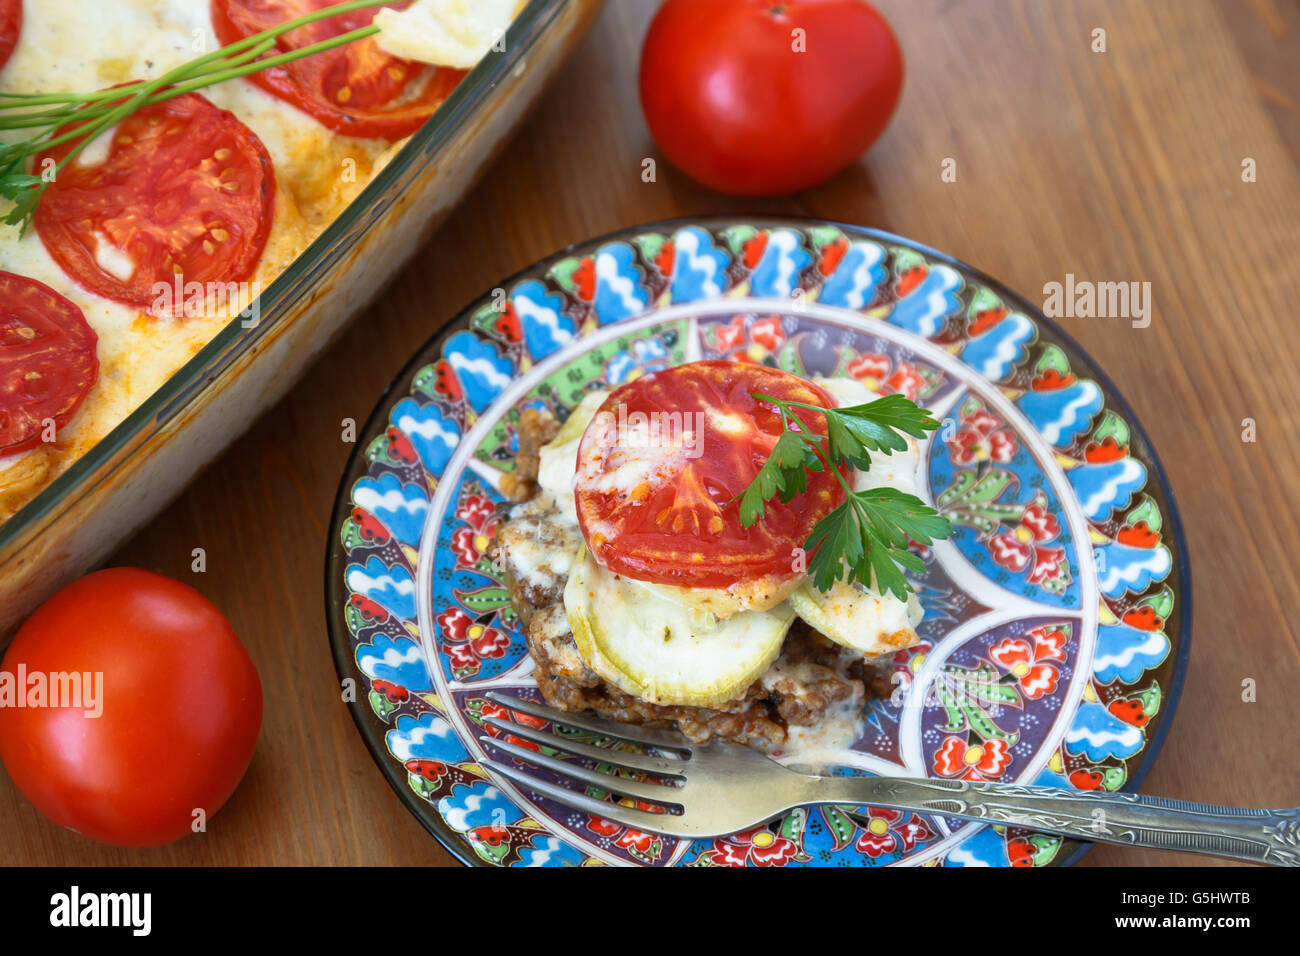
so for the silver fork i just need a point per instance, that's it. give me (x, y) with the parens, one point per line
(717, 789)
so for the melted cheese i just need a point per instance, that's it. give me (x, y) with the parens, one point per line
(448, 32)
(821, 746)
(540, 548)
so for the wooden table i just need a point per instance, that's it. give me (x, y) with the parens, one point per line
(1124, 165)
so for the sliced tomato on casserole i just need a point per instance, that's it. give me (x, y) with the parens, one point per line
(184, 189)
(11, 24)
(48, 361)
(356, 89)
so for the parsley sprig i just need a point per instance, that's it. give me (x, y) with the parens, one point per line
(95, 112)
(866, 537)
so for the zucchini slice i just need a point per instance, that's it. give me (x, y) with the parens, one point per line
(859, 617)
(661, 651)
(559, 457)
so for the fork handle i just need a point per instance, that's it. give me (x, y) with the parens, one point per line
(1128, 819)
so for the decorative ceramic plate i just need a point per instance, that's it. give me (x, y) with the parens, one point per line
(1056, 627)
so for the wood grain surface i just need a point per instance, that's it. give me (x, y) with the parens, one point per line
(1116, 166)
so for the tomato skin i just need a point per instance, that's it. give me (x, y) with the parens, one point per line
(11, 24)
(181, 709)
(679, 524)
(735, 107)
(185, 186)
(357, 89)
(48, 360)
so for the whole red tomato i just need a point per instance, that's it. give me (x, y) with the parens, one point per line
(180, 708)
(764, 98)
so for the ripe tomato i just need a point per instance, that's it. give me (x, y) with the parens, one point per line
(768, 97)
(186, 189)
(656, 504)
(11, 24)
(181, 708)
(48, 362)
(356, 89)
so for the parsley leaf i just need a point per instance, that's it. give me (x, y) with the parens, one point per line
(785, 473)
(858, 430)
(866, 538)
(24, 192)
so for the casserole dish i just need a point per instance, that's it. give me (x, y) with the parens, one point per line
(145, 461)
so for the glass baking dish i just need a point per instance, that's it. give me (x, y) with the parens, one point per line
(145, 461)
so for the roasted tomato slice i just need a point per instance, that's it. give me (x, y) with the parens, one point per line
(186, 191)
(11, 24)
(356, 89)
(47, 360)
(662, 465)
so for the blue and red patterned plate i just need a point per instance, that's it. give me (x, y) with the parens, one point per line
(1056, 627)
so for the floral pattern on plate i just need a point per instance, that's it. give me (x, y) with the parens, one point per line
(1055, 630)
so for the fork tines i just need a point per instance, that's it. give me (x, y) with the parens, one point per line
(669, 770)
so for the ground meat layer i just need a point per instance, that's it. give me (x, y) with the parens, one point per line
(536, 427)
(806, 681)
